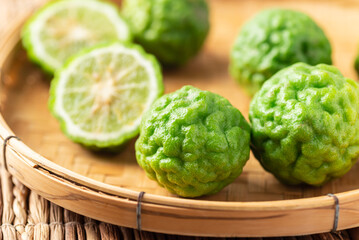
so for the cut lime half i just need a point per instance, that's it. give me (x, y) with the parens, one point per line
(63, 27)
(100, 94)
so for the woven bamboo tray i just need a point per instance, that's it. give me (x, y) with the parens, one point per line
(27, 216)
(106, 187)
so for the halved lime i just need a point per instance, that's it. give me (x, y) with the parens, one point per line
(63, 27)
(100, 94)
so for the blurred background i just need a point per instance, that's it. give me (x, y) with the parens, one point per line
(10, 10)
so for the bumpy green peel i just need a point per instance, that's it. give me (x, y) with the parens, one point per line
(174, 31)
(193, 142)
(305, 124)
(275, 39)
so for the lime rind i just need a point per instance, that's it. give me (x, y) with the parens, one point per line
(173, 31)
(305, 124)
(37, 54)
(273, 39)
(193, 142)
(118, 140)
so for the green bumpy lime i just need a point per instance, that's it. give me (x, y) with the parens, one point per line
(193, 142)
(275, 39)
(174, 31)
(305, 124)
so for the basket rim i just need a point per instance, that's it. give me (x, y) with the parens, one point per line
(28, 155)
(31, 157)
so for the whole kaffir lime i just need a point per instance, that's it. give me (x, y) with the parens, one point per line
(193, 142)
(305, 124)
(174, 31)
(275, 39)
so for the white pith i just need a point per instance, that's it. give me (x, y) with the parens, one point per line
(104, 92)
(38, 25)
(78, 33)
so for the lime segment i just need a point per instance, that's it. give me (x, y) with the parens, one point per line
(62, 28)
(99, 96)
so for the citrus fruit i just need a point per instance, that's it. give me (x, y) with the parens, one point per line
(275, 39)
(305, 124)
(193, 142)
(174, 31)
(100, 94)
(62, 28)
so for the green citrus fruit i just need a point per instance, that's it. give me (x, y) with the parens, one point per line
(174, 31)
(100, 94)
(63, 27)
(275, 39)
(193, 142)
(305, 124)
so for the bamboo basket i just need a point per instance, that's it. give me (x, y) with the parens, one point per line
(107, 187)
